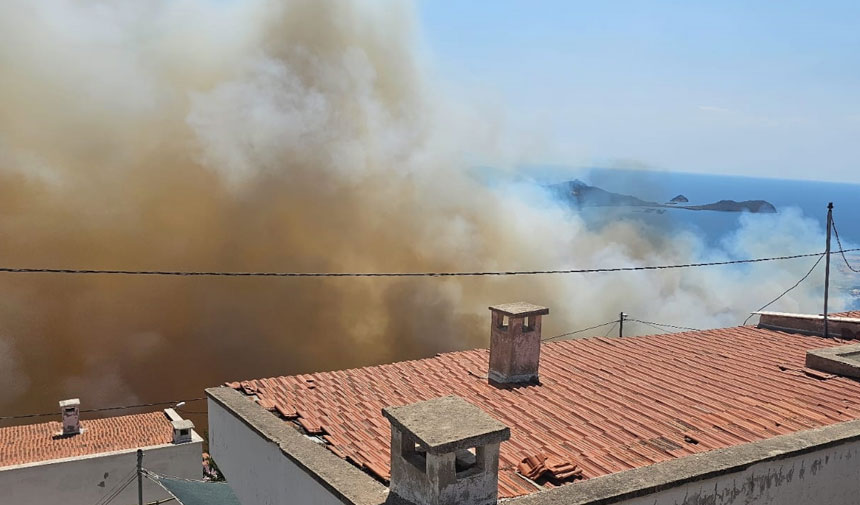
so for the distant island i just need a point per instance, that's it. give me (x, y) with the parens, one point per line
(583, 195)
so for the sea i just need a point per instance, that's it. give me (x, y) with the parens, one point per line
(809, 198)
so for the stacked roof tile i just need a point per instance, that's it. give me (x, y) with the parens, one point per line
(40, 442)
(603, 405)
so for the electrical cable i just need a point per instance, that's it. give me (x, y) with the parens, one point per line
(652, 323)
(648, 324)
(154, 476)
(842, 251)
(404, 274)
(200, 412)
(787, 290)
(578, 331)
(119, 488)
(610, 329)
(119, 491)
(104, 409)
(122, 482)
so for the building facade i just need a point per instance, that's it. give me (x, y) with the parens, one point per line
(83, 462)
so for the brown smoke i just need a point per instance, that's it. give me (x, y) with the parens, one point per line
(283, 136)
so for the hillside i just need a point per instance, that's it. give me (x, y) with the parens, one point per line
(581, 194)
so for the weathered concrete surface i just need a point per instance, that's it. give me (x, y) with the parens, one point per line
(815, 467)
(520, 309)
(445, 428)
(842, 360)
(810, 324)
(268, 462)
(447, 424)
(515, 347)
(433, 479)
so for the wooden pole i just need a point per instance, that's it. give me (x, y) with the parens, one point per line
(139, 477)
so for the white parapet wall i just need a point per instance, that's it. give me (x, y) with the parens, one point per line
(829, 476)
(814, 467)
(257, 469)
(266, 461)
(88, 479)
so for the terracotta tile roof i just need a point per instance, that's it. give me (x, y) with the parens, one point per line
(38, 442)
(850, 313)
(604, 405)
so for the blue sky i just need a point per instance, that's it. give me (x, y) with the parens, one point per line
(759, 88)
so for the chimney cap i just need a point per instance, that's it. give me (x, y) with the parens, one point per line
(447, 424)
(520, 309)
(182, 424)
(73, 402)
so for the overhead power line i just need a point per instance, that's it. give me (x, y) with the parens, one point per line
(663, 326)
(104, 409)
(659, 326)
(119, 488)
(798, 283)
(610, 329)
(179, 273)
(842, 251)
(578, 331)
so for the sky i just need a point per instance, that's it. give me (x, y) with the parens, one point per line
(757, 88)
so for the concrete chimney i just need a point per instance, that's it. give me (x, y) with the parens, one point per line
(71, 414)
(445, 451)
(182, 431)
(515, 342)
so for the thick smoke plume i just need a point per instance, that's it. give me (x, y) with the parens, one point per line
(297, 135)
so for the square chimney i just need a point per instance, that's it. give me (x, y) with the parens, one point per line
(71, 414)
(182, 430)
(445, 451)
(515, 342)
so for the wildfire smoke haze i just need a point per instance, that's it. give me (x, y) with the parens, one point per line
(287, 136)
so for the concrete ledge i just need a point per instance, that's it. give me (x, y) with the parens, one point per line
(842, 360)
(669, 474)
(810, 324)
(345, 481)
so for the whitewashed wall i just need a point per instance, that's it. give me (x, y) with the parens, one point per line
(256, 468)
(85, 481)
(828, 476)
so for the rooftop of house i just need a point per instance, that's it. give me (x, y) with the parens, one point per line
(37, 443)
(603, 405)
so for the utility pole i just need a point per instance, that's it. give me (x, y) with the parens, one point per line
(139, 477)
(621, 316)
(827, 268)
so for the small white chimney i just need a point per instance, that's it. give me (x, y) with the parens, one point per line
(71, 412)
(515, 342)
(182, 431)
(445, 451)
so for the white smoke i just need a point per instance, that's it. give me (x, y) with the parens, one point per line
(300, 135)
